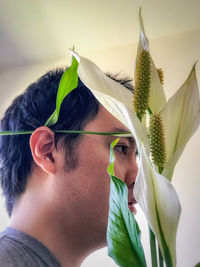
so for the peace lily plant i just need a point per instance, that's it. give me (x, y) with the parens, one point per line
(161, 129)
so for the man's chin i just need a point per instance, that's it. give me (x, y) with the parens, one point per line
(132, 208)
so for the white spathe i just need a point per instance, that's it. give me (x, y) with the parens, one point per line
(157, 98)
(181, 118)
(160, 203)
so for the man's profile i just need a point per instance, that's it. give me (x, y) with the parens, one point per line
(56, 185)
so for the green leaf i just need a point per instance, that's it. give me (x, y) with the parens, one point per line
(123, 234)
(68, 82)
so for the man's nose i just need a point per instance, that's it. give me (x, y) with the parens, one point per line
(131, 174)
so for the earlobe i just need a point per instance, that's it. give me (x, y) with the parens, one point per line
(43, 147)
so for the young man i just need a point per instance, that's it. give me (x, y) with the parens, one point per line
(56, 185)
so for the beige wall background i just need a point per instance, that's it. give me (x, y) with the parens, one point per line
(174, 49)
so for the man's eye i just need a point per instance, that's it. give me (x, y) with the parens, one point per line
(122, 149)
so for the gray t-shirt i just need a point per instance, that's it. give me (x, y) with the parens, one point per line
(18, 249)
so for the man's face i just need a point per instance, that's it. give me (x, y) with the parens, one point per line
(89, 183)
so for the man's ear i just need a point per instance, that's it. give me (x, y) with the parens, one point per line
(43, 147)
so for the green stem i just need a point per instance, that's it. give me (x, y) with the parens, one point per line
(160, 170)
(126, 134)
(160, 258)
(153, 248)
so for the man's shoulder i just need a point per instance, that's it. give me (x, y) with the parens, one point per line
(10, 251)
(20, 249)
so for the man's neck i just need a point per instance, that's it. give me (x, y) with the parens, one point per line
(70, 245)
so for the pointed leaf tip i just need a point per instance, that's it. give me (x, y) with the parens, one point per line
(68, 82)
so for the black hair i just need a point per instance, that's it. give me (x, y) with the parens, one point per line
(29, 111)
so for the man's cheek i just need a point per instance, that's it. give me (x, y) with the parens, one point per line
(119, 171)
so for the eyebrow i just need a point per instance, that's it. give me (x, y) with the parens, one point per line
(131, 140)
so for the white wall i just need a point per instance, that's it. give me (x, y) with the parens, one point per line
(176, 55)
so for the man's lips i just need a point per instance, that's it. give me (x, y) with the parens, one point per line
(131, 200)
